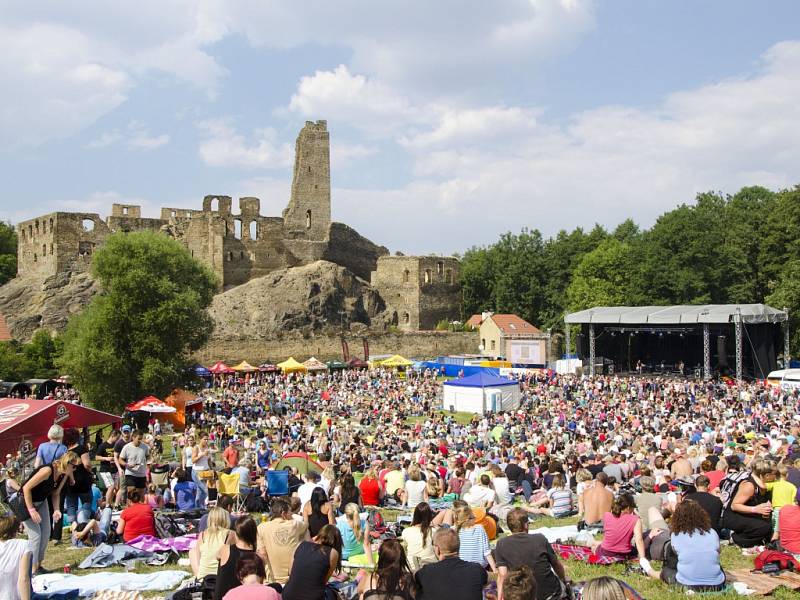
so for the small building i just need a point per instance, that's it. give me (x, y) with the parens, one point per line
(511, 337)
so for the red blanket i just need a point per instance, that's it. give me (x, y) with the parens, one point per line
(583, 553)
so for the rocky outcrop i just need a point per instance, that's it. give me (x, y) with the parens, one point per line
(318, 297)
(30, 303)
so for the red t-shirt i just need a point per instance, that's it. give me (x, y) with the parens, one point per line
(789, 526)
(138, 521)
(370, 491)
(714, 477)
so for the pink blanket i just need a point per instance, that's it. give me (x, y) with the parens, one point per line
(154, 544)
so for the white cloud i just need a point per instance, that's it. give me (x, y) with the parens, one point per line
(223, 146)
(480, 172)
(54, 85)
(98, 202)
(343, 155)
(136, 136)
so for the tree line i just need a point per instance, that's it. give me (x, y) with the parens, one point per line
(740, 248)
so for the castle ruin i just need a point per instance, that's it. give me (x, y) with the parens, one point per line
(418, 290)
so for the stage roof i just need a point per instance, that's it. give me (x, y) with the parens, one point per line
(677, 315)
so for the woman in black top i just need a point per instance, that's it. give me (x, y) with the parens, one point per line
(46, 481)
(348, 492)
(79, 489)
(314, 563)
(392, 580)
(240, 544)
(318, 512)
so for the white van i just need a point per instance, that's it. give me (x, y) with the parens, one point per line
(786, 379)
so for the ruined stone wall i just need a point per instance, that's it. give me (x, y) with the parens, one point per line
(420, 344)
(440, 292)
(308, 215)
(350, 249)
(397, 279)
(420, 290)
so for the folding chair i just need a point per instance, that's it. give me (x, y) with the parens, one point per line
(278, 483)
(228, 485)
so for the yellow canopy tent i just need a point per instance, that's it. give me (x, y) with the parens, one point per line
(497, 364)
(290, 365)
(396, 361)
(312, 364)
(244, 367)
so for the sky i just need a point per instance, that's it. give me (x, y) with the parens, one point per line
(451, 122)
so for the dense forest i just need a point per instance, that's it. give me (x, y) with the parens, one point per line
(743, 248)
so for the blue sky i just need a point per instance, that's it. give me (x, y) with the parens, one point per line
(451, 122)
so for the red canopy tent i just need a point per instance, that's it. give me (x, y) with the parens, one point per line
(151, 404)
(28, 420)
(220, 368)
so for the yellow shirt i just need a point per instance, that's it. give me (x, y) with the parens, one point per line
(394, 481)
(783, 493)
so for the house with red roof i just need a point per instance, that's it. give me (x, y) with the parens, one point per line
(512, 338)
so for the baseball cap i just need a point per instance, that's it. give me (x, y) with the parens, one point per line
(126, 429)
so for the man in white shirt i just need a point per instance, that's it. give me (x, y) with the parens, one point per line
(304, 491)
(481, 495)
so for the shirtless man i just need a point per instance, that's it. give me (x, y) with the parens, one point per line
(597, 501)
(681, 467)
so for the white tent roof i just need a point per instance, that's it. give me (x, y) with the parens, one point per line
(677, 315)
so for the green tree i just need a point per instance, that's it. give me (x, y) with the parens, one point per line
(8, 252)
(602, 277)
(14, 365)
(43, 352)
(135, 338)
(787, 295)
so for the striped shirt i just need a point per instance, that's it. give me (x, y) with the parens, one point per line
(474, 545)
(562, 501)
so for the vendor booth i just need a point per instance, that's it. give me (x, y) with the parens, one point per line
(481, 393)
(290, 365)
(24, 423)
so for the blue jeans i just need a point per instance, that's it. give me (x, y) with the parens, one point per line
(527, 490)
(202, 488)
(71, 505)
(105, 520)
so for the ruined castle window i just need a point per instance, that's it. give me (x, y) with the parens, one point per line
(241, 255)
(253, 230)
(174, 213)
(214, 205)
(44, 249)
(439, 268)
(230, 256)
(448, 276)
(308, 219)
(37, 227)
(51, 249)
(88, 225)
(124, 210)
(309, 169)
(406, 318)
(237, 229)
(427, 275)
(22, 233)
(51, 225)
(30, 231)
(406, 276)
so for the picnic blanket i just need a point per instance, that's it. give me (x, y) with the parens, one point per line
(554, 534)
(764, 584)
(96, 582)
(153, 544)
(583, 554)
(106, 555)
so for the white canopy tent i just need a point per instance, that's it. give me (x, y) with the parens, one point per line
(481, 393)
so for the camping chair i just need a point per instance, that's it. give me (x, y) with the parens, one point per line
(228, 485)
(159, 475)
(278, 483)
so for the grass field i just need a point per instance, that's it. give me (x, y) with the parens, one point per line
(732, 558)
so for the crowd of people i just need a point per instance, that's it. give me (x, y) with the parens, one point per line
(667, 469)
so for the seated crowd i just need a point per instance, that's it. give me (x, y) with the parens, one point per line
(702, 475)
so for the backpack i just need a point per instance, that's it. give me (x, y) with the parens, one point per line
(166, 527)
(377, 526)
(772, 561)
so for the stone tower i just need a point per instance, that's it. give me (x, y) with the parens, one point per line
(308, 215)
